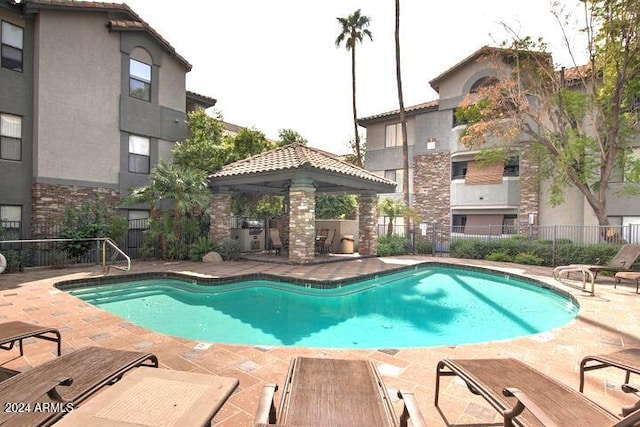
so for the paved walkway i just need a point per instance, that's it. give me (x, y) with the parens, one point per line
(607, 321)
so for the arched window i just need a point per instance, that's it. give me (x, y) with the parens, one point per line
(140, 74)
(483, 82)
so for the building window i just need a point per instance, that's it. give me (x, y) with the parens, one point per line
(512, 167)
(396, 175)
(510, 224)
(10, 137)
(393, 136)
(139, 80)
(11, 38)
(458, 170)
(458, 118)
(10, 221)
(139, 160)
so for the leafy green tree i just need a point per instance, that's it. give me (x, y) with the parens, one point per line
(354, 28)
(392, 209)
(583, 122)
(342, 206)
(203, 149)
(290, 136)
(90, 220)
(247, 143)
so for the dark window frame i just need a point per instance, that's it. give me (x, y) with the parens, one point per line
(5, 60)
(3, 138)
(146, 84)
(135, 156)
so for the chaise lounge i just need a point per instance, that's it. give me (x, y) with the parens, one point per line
(334, 392)
(527, 397)
(12, 332)
(71, 378)
(622, 261)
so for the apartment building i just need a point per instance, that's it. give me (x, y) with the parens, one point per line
(447, 185)
(91, 97)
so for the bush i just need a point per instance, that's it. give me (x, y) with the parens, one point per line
(201, 247)
(16, 260)
(393, 246)
(229, 249)
(469, 248)
(528, 258)
(499, 256)
(423, 247)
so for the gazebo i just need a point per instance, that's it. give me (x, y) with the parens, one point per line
(298, 172)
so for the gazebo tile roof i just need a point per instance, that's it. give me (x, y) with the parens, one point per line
(296, 156)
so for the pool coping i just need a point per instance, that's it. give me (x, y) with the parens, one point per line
(74, 284)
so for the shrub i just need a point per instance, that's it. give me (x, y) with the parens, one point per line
(229, 249)
(201, 247)
(16, 260)
(528, 258)
(469, 248)
(393, 246)
(424, 247)
(499, 256)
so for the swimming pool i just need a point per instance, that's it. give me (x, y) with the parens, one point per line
(426, 306)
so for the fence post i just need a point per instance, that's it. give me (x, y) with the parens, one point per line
(434, 243)
(553, 246)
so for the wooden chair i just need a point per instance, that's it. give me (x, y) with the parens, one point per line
(334, 392)
(79, 374)
(511, 386)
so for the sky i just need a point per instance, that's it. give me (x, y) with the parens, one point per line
(274, 64)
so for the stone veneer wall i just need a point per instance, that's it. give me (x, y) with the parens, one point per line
(529, 187)
(368, 225)
(49, 202)
(219, 218)
(432, 188)
(302, 222)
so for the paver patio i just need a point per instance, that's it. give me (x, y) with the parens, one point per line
(606, 322)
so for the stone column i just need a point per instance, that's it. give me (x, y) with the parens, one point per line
(368, 219)
(220, 216)
(529, 189)
(302, 220)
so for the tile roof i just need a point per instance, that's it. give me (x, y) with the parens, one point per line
(203, 99)
(412, 109)
(296, 156)
(126, 20)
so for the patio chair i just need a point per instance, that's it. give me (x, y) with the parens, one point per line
(527, 397)
(328, 242)
(276, 243)
(334, 392)
(622, 261)
(79, 374)
(628, 360)
(12, 332)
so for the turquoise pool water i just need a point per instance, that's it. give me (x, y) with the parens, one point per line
(428, 306)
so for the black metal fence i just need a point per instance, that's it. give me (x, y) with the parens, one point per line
(441, 237)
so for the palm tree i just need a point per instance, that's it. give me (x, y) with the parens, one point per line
(354, 29)
(403, 120)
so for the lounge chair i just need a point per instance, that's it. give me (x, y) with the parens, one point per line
(334, 392)
(622, 261)
(12, 332)
(79, 374)
(527, 397)
(628, 360)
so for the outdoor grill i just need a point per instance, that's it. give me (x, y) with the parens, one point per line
(255, 227)
(250, 235)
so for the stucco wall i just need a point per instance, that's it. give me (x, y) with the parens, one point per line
(77, 92)
(171, 90)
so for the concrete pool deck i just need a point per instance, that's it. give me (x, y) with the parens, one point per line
(607, 322)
